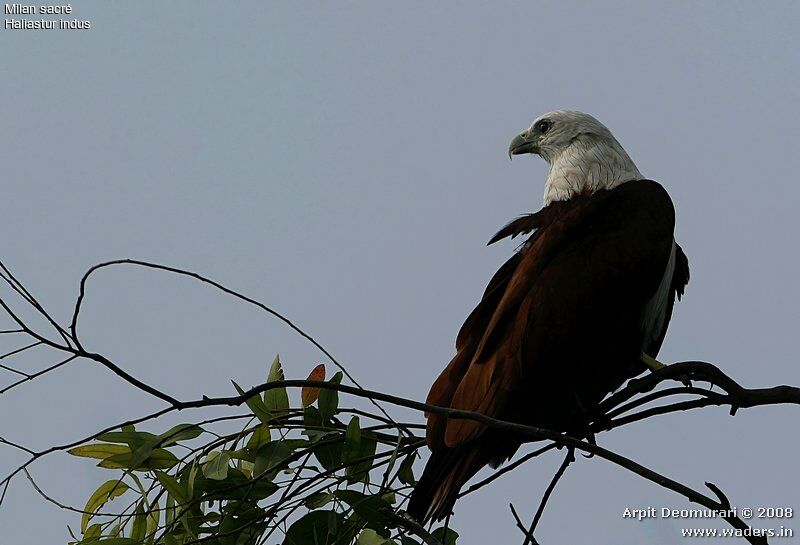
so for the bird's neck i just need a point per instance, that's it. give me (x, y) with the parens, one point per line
(586, 166)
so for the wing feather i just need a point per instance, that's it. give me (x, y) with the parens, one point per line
(584, 272)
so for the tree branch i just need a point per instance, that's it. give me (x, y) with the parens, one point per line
(614, 412)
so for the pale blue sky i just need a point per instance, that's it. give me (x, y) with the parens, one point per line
(346, 163)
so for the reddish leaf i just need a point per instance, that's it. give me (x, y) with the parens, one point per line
(309, 394)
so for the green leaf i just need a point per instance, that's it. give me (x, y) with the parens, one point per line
(275, 370)
(105, 492)
(100, 450)
(333, 523)
(133, 439)
(170, 511)
(117, 541)
(313, 425)
(156, 459)
(329, 399)
(142, 453)
(270, 457)
(256, 405)
(314, 528)
(393, 459)
(406, 472)
(318, 499)
(92, 534)
(352, 442)
(240, 526)
(295, 444)
(368, 508)
(175, 489)
(145, 448)
(237, 486)
(368, 443)
(115, 531)
(217, 465)
(181, 432)
(139, 529)
(329, 455)
(276, 400)
(260, 436)
(405, 540)
(371, 537)
(188, 480)
(390, 497)
(448, 538)
(153, 519)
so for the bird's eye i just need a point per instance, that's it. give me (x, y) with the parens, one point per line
(543, 126)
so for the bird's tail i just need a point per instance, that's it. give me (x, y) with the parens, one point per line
(445, 473)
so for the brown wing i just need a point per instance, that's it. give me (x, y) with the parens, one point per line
(584, 276)
(472, 330)
(528, 223)
(520, 226)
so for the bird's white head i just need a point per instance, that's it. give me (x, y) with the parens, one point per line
(582, 153)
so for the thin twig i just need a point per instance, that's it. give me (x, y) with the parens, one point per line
(17, 446)
(38, 374)
(568, 459)
(18, 350)
(217, 285)
(502, 471)
(519, 523)
(15, 371)
(17, 286)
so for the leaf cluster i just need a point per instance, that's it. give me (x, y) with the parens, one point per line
(316, 474)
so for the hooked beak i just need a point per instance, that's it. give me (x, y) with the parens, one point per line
(522, 143)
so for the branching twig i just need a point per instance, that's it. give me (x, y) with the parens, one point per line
(217, 285)
(568, 459)
(502, 471)
(615, 411)
(520, 525)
